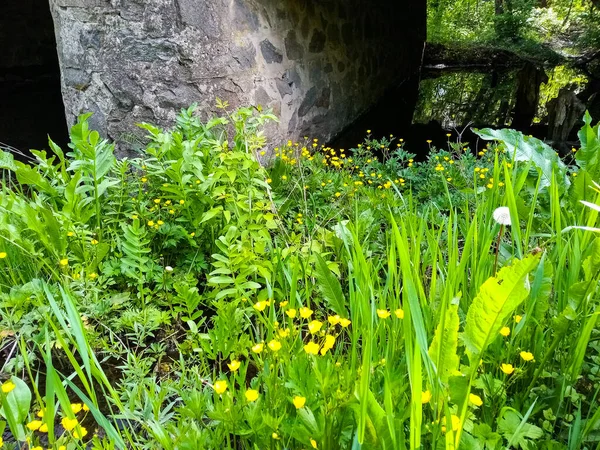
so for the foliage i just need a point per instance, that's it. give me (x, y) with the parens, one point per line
(191, 297)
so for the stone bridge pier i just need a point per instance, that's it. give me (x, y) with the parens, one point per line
(318, 64)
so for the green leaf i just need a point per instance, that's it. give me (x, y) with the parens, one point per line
(445, 342)
(330, 287)
(588, 156)
(515, 429)
(210, 214)
(525, 148)
(496, 300)
(17, 402)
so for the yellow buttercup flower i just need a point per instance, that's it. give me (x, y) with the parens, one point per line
(3, 255)
(8, 386)
(313, 443)
(284, 332)
(69, 424)
(527, 356)
(234, 365)
(86, 407)
(299, 401)
(475, 400)
(251, 395)
(505, 331)
(425, 397)
(399, 313)
(314, 326)
(507, 368)
(345, 323)
(274, 345)
(150, 223)
(64, 262)
(40, 413)
(34, 425)
(258, 348)
(518, 318)
(220, 386)
(291, 313)
(305, 312)
(80, 433)
(334, 320)
(76, 407)
(312, 348)
(383, 313)
(260, 306)
(43, 428)
(328, 344)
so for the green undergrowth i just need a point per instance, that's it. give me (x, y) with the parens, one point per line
(213, 292)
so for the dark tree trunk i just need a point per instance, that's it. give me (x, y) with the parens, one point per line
(529, 80)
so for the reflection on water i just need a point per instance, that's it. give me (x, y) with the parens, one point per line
(452, 101)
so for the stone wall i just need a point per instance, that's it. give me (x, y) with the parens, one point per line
(317, 64)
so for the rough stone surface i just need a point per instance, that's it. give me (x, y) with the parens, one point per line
(319, 65)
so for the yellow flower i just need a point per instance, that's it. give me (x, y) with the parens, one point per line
(399, 313)
(157, 200)
(313, 443)
(86, 407)
(299, 402)
(274, 345)
(37, 447)
(93, 275)
(284, 177)
(337, 194)
(64, 262)
(518, 318)
(251, 395)
(181, 202)
(160, 222)
(455, 422)
(258, 348)
(507, 368)
(150, 223)
(234, 365)
(76, 407)
(305, 312)
(43, 428)
(274, 435)
(425, 397)
(312, 348)
(8, 386)
(284, 332)
(40, 413)
(144, 179)
(328, 345)
(220, 386)
(314, 326)
(260, 306)
(527, 356)
(69, 424)
(283, 304)
(291, 313)
(34, 425)
(505, 331)
(334, 320)
(94, 242)
(475, 400)
(345, 323)
(383, 313)
(60, 447)
(79, 433)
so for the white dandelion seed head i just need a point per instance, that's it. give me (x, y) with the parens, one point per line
(169, 269)
(502, 215)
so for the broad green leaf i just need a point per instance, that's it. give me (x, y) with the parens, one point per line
(445, 342)
(211, 213)
(330, 287)
(496, 300)
(18, 401)
(514, 430)
(525, 148)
